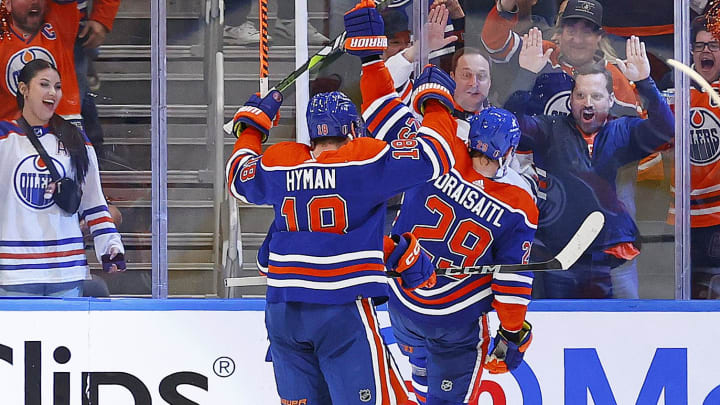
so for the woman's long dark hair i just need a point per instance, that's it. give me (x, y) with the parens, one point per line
(67, 133)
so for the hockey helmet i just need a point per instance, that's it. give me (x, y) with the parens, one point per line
(493, 132)
(333, 115)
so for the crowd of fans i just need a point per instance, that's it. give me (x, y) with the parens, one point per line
(528, 56)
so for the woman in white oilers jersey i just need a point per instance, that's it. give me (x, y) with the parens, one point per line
(41, 244)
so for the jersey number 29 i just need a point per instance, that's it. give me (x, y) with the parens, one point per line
(466, 238)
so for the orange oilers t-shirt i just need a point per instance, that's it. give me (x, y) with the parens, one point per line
(54, 42)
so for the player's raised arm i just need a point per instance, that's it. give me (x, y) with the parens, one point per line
(385, 115)
(497, 34)
(252, 125)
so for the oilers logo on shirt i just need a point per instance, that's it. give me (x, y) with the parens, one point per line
(18, 61)
(704, 137)
(559, 104)
(31, 178)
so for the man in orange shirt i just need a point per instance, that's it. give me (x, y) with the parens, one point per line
(45, 29)
(704, 167)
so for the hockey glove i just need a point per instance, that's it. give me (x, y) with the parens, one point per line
(365, 30)
(118, 260)
(261, 113)
(403, 254)
(508, 349)
(433, 83)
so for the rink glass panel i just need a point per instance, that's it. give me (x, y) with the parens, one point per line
(122, 97)
(647, 197)
(196, 251)
(213, 66)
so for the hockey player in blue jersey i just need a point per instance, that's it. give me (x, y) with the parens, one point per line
(326, 260)
(479, 213)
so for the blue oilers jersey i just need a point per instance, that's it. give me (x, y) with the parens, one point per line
(326, 246)
(463, 219)
(460, 219)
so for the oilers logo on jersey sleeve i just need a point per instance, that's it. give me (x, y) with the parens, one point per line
(31, 178)
(704, 137)
(19, 59)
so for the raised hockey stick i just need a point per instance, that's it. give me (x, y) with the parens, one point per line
(324, 56)
(690, 72)
(264, 49)
(335, 47)
(576, 246)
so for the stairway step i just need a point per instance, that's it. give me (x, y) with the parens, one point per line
(147, 266)
(175, 111)
(129, 133)
(182, 88)
(123, 52)
(145, 177)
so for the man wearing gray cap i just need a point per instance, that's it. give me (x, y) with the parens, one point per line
(580, 41)
(542, 83)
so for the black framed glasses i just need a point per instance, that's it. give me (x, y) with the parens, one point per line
(712, 46)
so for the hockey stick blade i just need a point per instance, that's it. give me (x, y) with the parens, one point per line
(245, 281)
(576, 246)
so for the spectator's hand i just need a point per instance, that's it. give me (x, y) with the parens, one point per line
(93, 33)
(637, 65)
(453, 6)
(531, 56)
(525, 6)
(435, 27)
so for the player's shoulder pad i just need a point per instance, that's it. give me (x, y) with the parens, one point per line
(286, 154)
(358, 149)
(514, 192)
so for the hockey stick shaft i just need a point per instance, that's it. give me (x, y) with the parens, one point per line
(576, 247)
(264, 48)
(324, 56)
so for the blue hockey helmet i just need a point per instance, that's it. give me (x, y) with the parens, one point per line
(333, 115)
(493, 132)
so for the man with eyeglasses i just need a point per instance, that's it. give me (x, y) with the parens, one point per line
(704, 167)
(712, 46)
